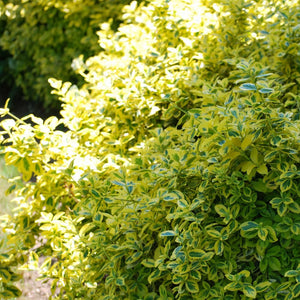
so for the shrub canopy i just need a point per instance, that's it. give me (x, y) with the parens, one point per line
(42, 38)
(177, 174)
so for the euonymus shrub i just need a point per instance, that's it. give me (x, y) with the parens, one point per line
(44, 36)
(178, 174)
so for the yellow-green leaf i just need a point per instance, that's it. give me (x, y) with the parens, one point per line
(286, 185)
(154, 276)
(262, 169)
(254, 155)
(148, 263)
(296, 290)
(249, 291)
(85, 228)
(261, 287)
(219, 247)
(262, 233)
(249, 226)
(247, 141)
(5, 275)
(120, 281)
(192, 286)
(247, 166)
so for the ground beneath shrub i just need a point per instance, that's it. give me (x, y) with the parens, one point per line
(32, 288)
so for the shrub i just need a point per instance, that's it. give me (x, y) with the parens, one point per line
(43, 37)
(178, 174)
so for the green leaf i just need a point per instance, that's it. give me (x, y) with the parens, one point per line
(296, 229)
(266, 90)
(119, 183)
(276, 140)
(14, 290)
(208, 256)
(133, 258)
(197, 253)
(219, 247)
(244, 273)
(247, 141)
(221, 210)
(172, 265)
(95, 193)
(296, 290)
(149, 296)
(196, 203)
(282, 227)
(33, 261)
(233, 286)
(178, 279)
(292, 273)
(262, 233)
(214, 233)
(248, 87)
(5, 275)
(195, 275)
(284, 286)
(263, 264)
(6, 294)
(249, 234)
(286, 185)
(283, 14)
(281, 209)
(262, 169)
(270, 156)
(98, 217)
(148, 263)
(283, 166)
(249, 226)
(249, 291)
(260, 186)
(108, 200)
(182, 203)
(192, 286)
(154, 276)
(274, 263)
(294, 207)
(142, 289)
(26, 164)
(86, 228)
(168, 233)
(276, 201)
(289, 296)
(263, 286)
(200, 254)
(248, 167)
(10, 189)
(163, 291)
(120, 281)
(272, 234)
(171, 196)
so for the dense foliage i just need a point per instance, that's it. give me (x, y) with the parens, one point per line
(42, 37)
(177, 176)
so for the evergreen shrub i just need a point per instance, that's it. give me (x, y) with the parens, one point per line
(44, 36)
(177, 176)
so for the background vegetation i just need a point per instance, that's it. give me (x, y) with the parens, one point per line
(177, 173)
(40, 39)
